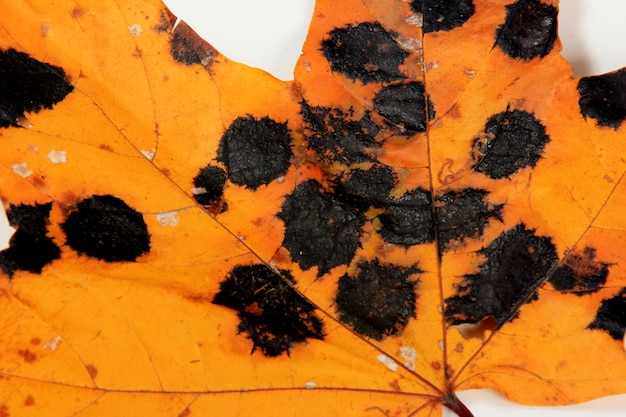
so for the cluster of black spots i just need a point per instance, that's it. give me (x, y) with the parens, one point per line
(106, 228)
(30, 249)
(366, 52)
(405, 105)
(512, 140)
(271, 312)
(611, 316)
(255, 151)
(365, 188)
(28, 85)
(580, 273)
(187, 47)
(516, 263)
(463, 214)
(443, 15)
(209, 184)
(320, 230)
(379, 301)
(529, 30)
(408, 220)
(336, 137)
(603, 98)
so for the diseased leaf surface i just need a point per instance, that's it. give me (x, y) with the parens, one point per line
(433, 204)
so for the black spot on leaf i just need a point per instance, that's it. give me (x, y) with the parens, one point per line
(516, 263)
(529, 31)
(209, 184)
(463, 214)
(513, 140)
(405, 105)
(603, 98)
(272, 314)
(580, 273)
(408, 220)
(320, 230)
(611, 316)
(30, 249)
(365, 188)
(379, 301)
(106, 228)
(255, 151)
(443, 14)
(366, 52)
(188, 48)
(335, 137)
(28, 85)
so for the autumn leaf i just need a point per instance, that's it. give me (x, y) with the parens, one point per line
(432, 205)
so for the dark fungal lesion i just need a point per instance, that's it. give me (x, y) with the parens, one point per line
(272, 314)
(611, 316)
(379, 300)
(443, 15)
(106, 228)
(580, 273)
(255, 151)
(28, 85)
(529, 31)
(208, 188)
(603, 98)
(406, 106)
(30, 248)
(516, 264)
(511, 141)
(365, 51)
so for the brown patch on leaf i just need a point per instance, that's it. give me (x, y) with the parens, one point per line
(29, 401)
(27, 355)
(93, 371)
(188, 48)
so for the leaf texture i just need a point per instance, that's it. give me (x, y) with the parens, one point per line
(433, 204)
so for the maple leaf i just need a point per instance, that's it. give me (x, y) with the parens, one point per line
(431, 205)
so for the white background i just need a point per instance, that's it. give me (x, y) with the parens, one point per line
(269, 34)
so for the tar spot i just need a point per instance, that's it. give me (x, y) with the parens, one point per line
(27, 85)
(405, 105)
(365, 188)
(209, 184)
(335, 137)
(462, 214)
(255, 151)
(603, 98)
(271, 312)
(379, 301)
(30, 249)
(516, 263)
(188, 48)
(580, 273)
(320, 230)
(529, 30)
(105, 227)
(512, 141)
(366, 52)
(611, 316)
(443, 14)
(408, 220)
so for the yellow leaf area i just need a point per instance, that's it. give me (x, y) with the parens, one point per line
(433, 204)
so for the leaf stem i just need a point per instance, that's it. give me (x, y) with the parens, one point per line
(452, 402)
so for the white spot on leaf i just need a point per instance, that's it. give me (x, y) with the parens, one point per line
(416, 19)
(149, 154)
(52, 344)
(22, 170)
(409, 355)
(310, 385)
(57, 157)
(135, 29)
(168, 218)
(388, 362)
(198, 190)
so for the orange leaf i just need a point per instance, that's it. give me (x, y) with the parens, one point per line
(432, 205)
